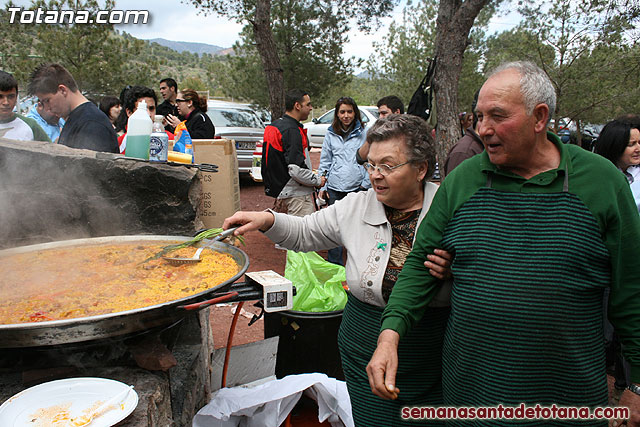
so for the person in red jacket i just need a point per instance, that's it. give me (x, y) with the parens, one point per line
(286, 166)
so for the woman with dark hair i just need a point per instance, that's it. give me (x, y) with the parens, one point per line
(193, 109)
(338, 159)
(111, 106)
(619, 142)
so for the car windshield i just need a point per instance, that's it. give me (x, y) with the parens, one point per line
(234, 117)
(373, 112)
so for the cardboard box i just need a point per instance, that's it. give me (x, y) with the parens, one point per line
(220, 190)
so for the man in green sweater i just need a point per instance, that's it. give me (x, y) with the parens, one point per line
(539, 229)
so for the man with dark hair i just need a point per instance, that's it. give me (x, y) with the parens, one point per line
(50, 123)
(467, 146)
(86, 126)
(390, 105)
(286, 166)
(386, 106)
(169, 92)
(132, 98)
(12, 125)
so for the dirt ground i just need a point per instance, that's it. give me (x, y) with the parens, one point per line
(262, 256)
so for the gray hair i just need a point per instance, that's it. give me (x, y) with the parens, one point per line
(535, 85)
(420, 146)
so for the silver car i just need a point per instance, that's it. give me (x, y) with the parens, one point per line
(317, 128)
(240, 123)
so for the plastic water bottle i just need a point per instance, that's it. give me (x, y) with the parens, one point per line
(139, 132)
(159, 142)
(188, 144)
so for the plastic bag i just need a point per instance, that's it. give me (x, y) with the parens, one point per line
(318, 282)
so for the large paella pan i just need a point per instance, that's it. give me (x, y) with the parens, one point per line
(83, 310)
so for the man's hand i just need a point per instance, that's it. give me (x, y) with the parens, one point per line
(383, 366)
(439, 264)
(323, 181)
(631, 401)
(249, 221)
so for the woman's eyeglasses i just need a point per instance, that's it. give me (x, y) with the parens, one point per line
(383, 169)
(180, 100)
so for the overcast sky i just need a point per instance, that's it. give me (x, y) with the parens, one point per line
(185, 24)
(176, 21)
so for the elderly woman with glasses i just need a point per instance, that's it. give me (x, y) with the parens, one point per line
(193, 108)
(378, 228)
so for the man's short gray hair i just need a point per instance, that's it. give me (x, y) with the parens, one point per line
(535, 85)
(416, 134)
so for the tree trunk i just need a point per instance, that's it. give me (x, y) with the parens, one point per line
(455, 19)
(270, 60)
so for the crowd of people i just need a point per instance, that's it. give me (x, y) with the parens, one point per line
(63, 115)
(485, 290)
(507, 284)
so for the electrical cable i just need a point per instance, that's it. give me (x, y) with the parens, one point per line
(232, 329)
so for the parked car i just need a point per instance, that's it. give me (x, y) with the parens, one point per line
(563, 129)
(317, 128)
(240, 123)
(590, 134)
(263, 113)
(24, 104)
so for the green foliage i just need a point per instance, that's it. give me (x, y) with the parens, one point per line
(363, 90)
(588, 49)
(101, 60)
(17, 55)
(309, 38)
(396, 66)
(365, 12)
(396, 63)
(193, 83)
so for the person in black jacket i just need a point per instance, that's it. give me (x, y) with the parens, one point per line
(193, 109)
(169, 92)
(86, 126)
(286, 166)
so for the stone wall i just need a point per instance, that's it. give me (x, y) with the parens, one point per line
(50, 192)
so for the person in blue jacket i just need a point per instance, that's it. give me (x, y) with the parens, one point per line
(338, 159)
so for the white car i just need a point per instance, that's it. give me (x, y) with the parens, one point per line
(240, 123)
(317, 128)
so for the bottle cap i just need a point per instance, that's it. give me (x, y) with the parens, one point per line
(158, 118)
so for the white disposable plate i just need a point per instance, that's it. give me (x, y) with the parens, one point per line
(27, 408)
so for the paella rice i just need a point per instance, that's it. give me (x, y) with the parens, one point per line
(90, 280)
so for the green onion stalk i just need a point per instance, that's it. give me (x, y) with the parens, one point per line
(206, 234)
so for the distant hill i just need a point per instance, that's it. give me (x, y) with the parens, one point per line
(198, 48)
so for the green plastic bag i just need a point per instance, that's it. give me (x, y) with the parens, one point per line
(318, 282)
